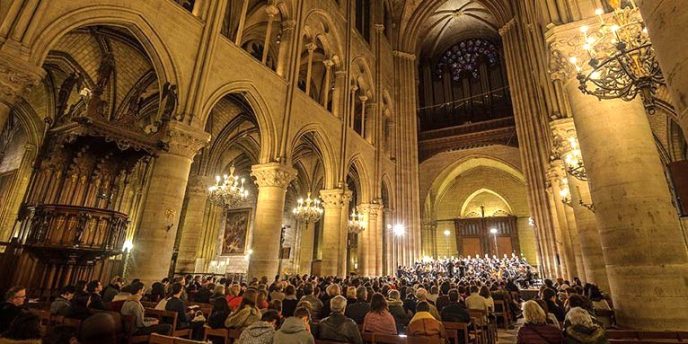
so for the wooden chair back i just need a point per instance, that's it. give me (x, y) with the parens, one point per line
(455, 330)
(160, 339)
(389, 339)
(216, 332)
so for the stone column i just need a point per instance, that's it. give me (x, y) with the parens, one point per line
(368, 240)
(328, 80)
(271, 11)
(17, 77)
(556, 174)
(242, 23)
(272, 180)
(344, 236)
(333, 202)
(154, 239)
(588, 234)
(306, 247)
(192, 225)
(10, 209)
(309, 69)
(352, 106)
(666, 22)
(287, 38)
(363, 99)
(337, 99)
(644, 246)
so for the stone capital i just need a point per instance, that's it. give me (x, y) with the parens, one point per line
(373, 210)
(289, 25)
(17, 77)
(335, 198)
(379, 27)
(273, 175)
(184, 140)
(311, 47)
(507, 27)
(328, 63)
(271, 10)
(562, 130)
(556, 171)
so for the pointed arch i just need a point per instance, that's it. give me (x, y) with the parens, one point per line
(260, 109)
(324, 148)
(479, 192)
(159, 54)
(356, 164)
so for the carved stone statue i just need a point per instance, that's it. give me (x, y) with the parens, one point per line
(107, 66)
(168, 102)
(73, 80)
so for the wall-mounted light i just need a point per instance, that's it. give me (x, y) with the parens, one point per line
(447, 232)
(399, 230)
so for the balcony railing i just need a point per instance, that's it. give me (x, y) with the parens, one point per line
(53, 226)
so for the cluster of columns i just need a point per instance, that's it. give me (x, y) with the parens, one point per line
(628, 231)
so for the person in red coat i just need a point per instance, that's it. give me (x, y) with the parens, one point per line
(535, 329)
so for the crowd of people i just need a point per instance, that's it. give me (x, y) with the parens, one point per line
(302, 308)
(485, 269)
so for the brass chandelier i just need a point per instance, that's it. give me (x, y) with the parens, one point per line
(356, 223)
(574, 161)
(228, 190)
(308, 211)
(620, 62)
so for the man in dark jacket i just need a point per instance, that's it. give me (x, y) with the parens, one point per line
(358, 310)
(396, 307)
(295, 330)
(454, 311)
(443, 299)
(176, 304)
(337, 327)
(14, 300)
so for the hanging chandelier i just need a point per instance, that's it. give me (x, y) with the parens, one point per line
(620, 62)
(228, 190)
(308, 211)
(574, 161)
(356, 223)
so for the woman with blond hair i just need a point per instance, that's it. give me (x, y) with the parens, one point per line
(535, 329)
(582, 330)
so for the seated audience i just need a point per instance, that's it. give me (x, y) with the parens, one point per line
(443, 298)
(218, 292)
(262, 331)
(113, 288)
(331, 291)
(379, 319)
(99, 328)
(133, 307)
(234, 297)
(338, 327)
(535, 329)
(290, 301)
(396, 308)
(277, 293)
(25, 328)
(315, 302)
(14, 300)
(360, 308)
(550, 297)
(219, 313)
(422, 296)
(489, 302)
(175, 304)
(204, 293)
(246, 314)
(551, 318)
(93, 289)
(423, 324)
(455, 311)
(581, 329)
(62, 305)
(296, 329)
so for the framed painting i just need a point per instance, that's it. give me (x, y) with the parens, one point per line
(237, 222)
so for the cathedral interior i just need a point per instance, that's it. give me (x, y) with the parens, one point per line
(256, 138)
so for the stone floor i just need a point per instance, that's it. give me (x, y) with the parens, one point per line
(508, 336)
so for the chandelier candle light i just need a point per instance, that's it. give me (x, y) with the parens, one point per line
(308, 211)
(356, 223)
(620, 61)
(228, 191)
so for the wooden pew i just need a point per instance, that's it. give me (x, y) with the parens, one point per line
(169, 317)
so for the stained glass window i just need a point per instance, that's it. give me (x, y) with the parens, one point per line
(466, 56)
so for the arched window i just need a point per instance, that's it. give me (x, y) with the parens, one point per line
(363, 18)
